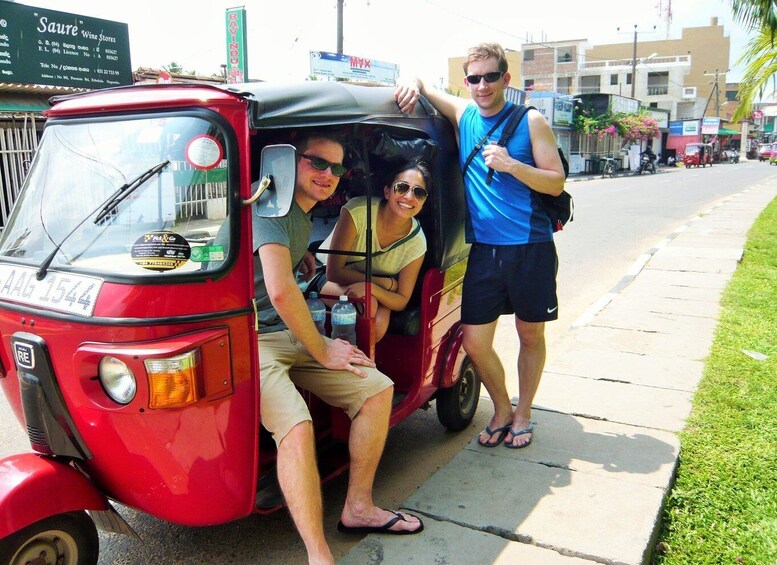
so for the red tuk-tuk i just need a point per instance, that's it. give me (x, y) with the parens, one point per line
(129, 347)
(697, 155)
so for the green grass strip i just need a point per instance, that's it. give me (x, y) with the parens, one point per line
(723, 507)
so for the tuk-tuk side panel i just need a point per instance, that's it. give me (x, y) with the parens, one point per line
(194, 465)
(33, 488)
(413, 361)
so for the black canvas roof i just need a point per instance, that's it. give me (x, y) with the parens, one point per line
(323, 103)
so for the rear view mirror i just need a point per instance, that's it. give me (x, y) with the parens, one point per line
(273, 193)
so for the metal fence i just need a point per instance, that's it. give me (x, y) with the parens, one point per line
(18, 142)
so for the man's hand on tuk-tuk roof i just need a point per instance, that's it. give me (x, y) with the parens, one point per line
(407, 93)
(342, 355)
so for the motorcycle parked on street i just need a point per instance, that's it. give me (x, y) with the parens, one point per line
(647, 162)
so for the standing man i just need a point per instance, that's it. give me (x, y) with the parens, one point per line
(512, 263)
(292, 353)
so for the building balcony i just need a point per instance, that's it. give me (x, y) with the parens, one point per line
(621, 64)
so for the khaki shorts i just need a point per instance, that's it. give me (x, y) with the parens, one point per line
(285, 364)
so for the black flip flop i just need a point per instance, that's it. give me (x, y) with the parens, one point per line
(502, 432)
(384, 529)
(516, 433)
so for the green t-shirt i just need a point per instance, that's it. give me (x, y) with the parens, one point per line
(292, 231)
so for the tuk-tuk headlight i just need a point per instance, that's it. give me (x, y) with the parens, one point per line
(117, 379)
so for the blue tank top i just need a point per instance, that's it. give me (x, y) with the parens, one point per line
(506, 212)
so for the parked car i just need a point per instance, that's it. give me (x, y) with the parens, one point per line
(764, 152)
(773, 155)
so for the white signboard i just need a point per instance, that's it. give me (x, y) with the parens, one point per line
(563, 112)
(691, 127)
(348, 67)
(710, 126)
(623, 105)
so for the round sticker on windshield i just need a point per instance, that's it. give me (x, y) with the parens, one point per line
(204, 152)
(160, 251)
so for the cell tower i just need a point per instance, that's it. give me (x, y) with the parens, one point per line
(664, 8)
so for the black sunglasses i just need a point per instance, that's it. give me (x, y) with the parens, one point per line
(490, 77)
(402, 187)
(338, 169)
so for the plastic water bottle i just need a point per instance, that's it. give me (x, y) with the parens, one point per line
(344, 320)
(317, 312)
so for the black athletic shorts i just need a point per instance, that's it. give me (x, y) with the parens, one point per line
(510, 279)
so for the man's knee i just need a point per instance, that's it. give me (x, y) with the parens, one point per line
(531, 334)
(477, 341)
(298, 437)
(379, 401)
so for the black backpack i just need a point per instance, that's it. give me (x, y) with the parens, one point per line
(560, 209)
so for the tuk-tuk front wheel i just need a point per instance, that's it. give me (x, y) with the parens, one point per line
(63, 539)
(456, 405)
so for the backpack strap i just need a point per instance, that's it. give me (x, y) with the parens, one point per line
(485, 138)
(508, 131)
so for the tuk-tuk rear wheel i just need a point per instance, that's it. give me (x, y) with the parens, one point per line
(63, 539)
(456, 405)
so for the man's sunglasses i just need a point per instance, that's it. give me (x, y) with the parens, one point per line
(490, 77)
(338, 169)
(403, 187)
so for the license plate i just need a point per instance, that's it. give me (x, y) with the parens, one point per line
(63, 292)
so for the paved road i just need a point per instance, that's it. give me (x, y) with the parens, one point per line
(617, 221)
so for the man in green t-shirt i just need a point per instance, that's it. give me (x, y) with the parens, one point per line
(293, 354)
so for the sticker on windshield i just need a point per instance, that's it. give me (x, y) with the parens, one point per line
(205, 253)
(160, 251)
(204, 152)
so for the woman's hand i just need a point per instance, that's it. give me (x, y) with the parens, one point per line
(356, 291)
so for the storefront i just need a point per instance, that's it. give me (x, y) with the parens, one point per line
(559, 111)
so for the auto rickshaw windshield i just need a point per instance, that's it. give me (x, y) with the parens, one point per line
(139, 196)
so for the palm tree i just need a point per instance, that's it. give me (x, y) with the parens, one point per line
(760, 56)
(756, 14)
(760, 59)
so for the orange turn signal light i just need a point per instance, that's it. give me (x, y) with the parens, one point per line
(174, 382)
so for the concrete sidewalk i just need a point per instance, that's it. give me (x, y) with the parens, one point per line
(614, 394)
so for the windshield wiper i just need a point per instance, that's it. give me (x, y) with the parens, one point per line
(104, 209)
(126, 189)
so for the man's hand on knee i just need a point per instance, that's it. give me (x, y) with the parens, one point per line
(341, 355)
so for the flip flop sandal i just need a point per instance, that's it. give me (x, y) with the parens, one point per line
(384, 529)
(500, 433)
(515, 433)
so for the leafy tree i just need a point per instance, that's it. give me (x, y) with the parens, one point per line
(760, 56)
(175, 68)
(755, 14)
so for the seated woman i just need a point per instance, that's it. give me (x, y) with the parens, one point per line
(398, 246)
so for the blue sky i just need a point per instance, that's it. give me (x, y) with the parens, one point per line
(419, 35)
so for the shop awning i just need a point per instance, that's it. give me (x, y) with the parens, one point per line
(12, 103)
(726, 131)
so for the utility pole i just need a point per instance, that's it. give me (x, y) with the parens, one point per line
(716, 90)
(340, 26)
(634, 64)
(634, 61)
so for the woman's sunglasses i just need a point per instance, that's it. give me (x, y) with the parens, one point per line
(403, 187)
(338, 169)
(490, 77)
